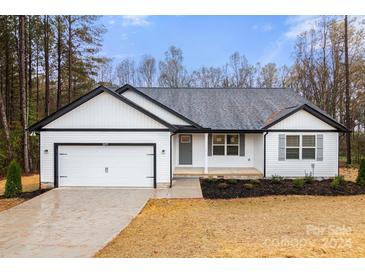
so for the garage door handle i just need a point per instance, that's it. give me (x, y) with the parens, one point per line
(150, 154)
(63, 153)
(150, 176)
(63, 176)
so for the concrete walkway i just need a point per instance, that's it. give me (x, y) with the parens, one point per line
(68, 222)
(77, 222)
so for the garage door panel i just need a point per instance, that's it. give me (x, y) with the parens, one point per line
(115, 166)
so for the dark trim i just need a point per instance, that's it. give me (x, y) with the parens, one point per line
(315, 113)
(55, 156)
(265, 153)
(37, 126)
(171, 176)
(126, 87)
(302, 130)
(209, 130)
(105, 129)
(40, 168)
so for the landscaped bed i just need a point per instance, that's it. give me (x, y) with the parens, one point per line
(232, 188)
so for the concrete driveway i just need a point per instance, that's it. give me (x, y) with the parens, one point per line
(68, 222)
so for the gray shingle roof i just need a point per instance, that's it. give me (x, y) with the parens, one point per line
(219, 108)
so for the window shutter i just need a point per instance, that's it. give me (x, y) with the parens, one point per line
(209, 144)
(242, 144)
(319, 147)
(281, 147)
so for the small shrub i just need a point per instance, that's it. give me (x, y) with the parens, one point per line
(308, 178)
(337, 181)
(211, 180)
(276, 178)
(361, 175)
(299, 182)
(248, 186)
(232, 181)
(255, 181)
(223, 185)
(13, 185)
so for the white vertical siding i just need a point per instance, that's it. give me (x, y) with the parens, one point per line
(162, 140)
(302, 120)
(153, 108)
(297, 168)
(105, 111)
(258, 152)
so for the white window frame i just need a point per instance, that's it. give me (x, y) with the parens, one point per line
(225, 145)
(314, 147)
(301, 147)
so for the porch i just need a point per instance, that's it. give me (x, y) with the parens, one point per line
(242, 173)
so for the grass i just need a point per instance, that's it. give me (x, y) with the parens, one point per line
(280, 226)
(30, 183)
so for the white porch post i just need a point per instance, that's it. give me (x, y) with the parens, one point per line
(205, 153)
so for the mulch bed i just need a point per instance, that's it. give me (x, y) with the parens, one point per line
(28, 195)
(227, 189)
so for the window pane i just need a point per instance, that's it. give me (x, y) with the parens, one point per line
(218, 150)
(308, 141)
(232, 150)
(218, 139)
(292, 153)
(308, 153)
(292, 140)
(232, 139)
(185, 139)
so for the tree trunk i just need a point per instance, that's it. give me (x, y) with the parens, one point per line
(22, 85)
(347, 97)
(59, 52)
(6, 127)
(37, 80)
(46, 64)
(69, 56)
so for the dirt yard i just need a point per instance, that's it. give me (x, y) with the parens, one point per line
(29, 183)
(350, 174)
(280, 226)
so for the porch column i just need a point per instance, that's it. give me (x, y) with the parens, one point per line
(205, 153)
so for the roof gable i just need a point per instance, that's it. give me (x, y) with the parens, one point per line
(85, 98)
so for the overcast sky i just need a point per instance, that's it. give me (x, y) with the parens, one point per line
(205, 40)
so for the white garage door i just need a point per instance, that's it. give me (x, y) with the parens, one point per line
(112, 166)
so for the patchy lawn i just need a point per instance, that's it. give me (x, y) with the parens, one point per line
(29, 183)
(274, 226)
(30, 190)
(350, 173)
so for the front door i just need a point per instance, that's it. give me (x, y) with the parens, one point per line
(185, 149)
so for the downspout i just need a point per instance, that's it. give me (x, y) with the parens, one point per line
(174, 133)
(265, 153)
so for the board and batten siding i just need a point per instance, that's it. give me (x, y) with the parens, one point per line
(104, 111)
(328, 167)
(154, 108)
(162, 140)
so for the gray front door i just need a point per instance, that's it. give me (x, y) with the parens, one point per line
(185, 149)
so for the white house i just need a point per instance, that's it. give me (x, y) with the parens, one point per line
(143, 137)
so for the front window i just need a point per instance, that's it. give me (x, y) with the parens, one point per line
(226, 144)
(219, 144)
(308, 147)
(292, 147)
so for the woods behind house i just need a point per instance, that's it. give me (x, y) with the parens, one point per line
(48, 61)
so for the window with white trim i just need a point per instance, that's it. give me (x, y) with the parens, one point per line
(292, 147)
(225, 144)
(300, 147)
(308, 147)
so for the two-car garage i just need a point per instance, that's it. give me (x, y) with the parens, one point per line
(105, 165)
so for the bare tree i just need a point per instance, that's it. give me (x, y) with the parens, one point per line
(268, 76)
(347, 96)
(242, 72)
(172, 71)
(147, 71)
(125, 72)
